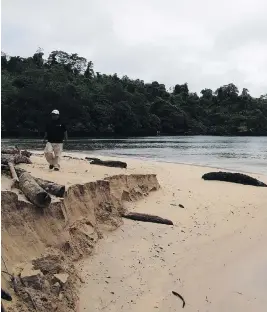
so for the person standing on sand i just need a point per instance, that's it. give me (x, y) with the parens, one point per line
(55, 134)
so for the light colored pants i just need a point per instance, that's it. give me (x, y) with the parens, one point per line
(53, 153)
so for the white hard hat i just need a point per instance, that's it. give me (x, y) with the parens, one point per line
(55, 112)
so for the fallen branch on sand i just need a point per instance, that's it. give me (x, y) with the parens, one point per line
(107, 163)
(15, 159)
(146, 218)
(31, 189)
(26, 183)
(178, 295)
(15, 151)
(233, 177)
(14, 176)
(50, 187)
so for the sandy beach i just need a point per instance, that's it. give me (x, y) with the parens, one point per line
(214, 255)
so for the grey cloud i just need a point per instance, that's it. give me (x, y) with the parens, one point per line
(249, 31)
(205, 43)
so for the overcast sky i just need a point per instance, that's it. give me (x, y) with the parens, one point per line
(207, 43)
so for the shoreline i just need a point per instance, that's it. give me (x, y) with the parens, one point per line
(123, 158)
(179, 163)
(237, 154)
(141, 136)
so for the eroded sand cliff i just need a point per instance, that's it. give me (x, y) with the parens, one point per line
(40, 246)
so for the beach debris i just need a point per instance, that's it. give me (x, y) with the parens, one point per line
(33, 191)
(12, 156)
(72, 157)
(180, 205)
(14, 176)
(27, 184)
(107, 163)
(15, 151)
(146, 218)
(179, 296)
(233, 177)
(52, 188)
(207, 300)
(15, 159)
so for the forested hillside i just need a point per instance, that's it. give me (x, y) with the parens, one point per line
(95, 104)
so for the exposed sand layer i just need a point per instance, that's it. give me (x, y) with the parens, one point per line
(40, 244)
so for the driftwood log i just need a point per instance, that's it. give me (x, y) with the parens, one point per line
(33, 191)
(50, 187)
(146, 218)
(15, 159)
(6, 170)
(15, 179)
(13, 171)
(107, 163)
(15, 151)
(233, 177)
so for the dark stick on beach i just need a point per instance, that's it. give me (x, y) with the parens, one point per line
(233, 177)
(179, 296)
(146, 218)
(107, 163)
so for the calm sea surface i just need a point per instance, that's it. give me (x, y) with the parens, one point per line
(247, 154)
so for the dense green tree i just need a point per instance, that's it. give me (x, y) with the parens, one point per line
(101, 105)
(207, 94)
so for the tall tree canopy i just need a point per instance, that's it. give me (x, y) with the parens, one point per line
(101, 105)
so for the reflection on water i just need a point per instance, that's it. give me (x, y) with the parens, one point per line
(237, 153)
